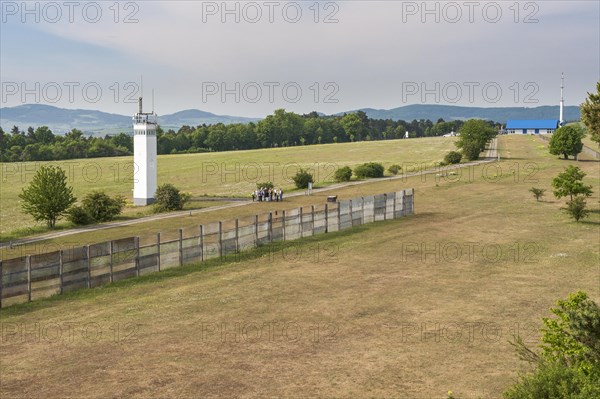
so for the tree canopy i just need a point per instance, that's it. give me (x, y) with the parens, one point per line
(570, 183)
(281, 129)
(567, 141)
(474, 135)
(48, 196)
(590, 114)
(569, 363)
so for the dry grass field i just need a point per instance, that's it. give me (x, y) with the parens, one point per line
(409, 308)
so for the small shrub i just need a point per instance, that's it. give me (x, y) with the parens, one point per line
(394, 169)
(101, 207)
(369, 169)
(576, 208)
(343, 174)
(168, 198)
(453, 157)
(77, 215)
(302, 179)
(185, 197)
(537, 192)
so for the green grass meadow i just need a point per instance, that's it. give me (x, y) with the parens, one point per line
(210, 174)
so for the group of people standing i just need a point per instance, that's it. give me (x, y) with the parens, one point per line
(267, 194)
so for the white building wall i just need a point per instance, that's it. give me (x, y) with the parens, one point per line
(145, 163)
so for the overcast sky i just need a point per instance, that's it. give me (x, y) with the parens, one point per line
(249, 58)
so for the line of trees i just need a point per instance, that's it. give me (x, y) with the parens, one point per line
(281, 129)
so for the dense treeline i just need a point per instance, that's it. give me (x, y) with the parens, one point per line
(281, 129)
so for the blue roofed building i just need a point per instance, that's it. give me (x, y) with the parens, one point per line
(541, 126)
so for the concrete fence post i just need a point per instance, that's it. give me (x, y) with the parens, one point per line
(255, 231)
(158, 250)
(237, 236)
(60, 272)
(301, 226)
(136, 243)
(283, 217)
(326, 218)
(110, 264)
(89, 266)
(202, 243)
(180, 247)
(270, 227)
(28, 264)
(220, 239)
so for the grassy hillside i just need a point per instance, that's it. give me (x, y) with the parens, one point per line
(215, 174)
(407, 308)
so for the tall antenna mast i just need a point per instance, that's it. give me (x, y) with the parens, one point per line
(562, 100)
(152, 101)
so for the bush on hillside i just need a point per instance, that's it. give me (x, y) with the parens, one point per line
(369, 169)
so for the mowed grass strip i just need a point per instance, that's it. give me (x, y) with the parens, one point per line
(214, 174)
(384, 310)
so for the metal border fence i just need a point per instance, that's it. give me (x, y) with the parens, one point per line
(31, 277)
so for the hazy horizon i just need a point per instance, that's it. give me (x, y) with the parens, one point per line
(249, 58)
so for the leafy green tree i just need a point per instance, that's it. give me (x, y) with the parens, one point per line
(101, 207)
(570, 183)
(74, 135)
(302, 178)
(569, 363)
(43, 135)
(474, 135)
(471, 150)
(573, 337)
(353, 126)
(567, 141)
(576, 208)
(280, 129)
(3, 140)
(590, 114)
(48, 196)
(123, 140)
(343, 174)
(537, 192)
(554, 380)
(169, 198)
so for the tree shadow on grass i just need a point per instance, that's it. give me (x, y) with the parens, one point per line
(590, 222)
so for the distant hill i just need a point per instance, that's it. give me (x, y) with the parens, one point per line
(451, 112)
(195, 117)
(61, 120)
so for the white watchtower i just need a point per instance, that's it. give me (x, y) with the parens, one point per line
(144, 157)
